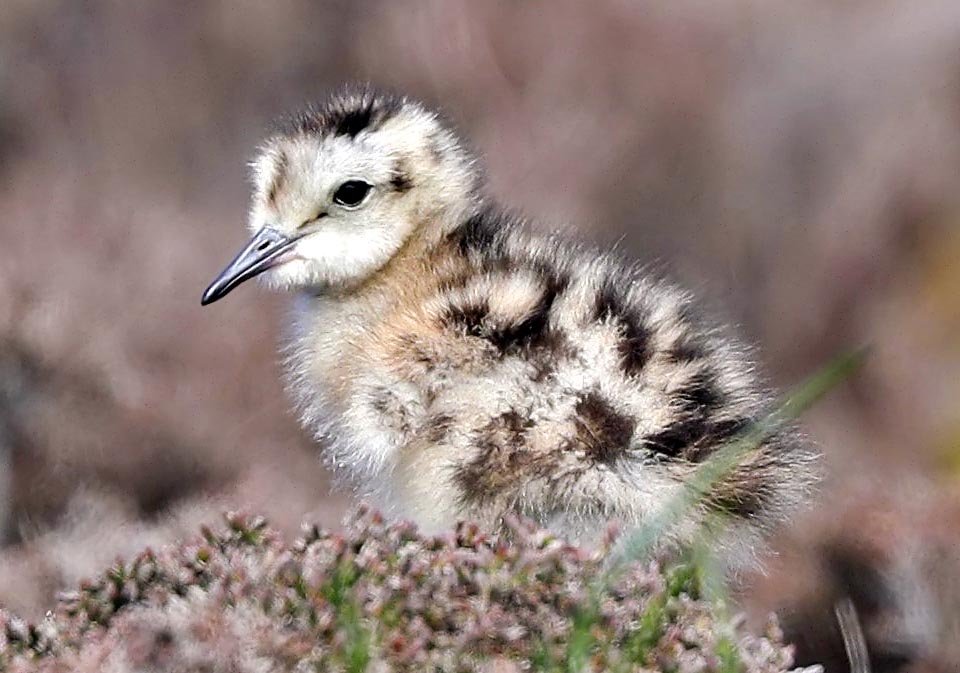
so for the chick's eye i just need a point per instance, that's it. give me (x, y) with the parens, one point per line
(351, 193)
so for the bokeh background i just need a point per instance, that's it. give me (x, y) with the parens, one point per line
(798, 163)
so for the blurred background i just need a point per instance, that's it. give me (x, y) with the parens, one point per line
(797, 163)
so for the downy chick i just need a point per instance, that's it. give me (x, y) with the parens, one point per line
(456, 365)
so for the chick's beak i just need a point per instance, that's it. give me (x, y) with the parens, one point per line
(266, 249)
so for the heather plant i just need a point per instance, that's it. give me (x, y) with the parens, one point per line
(382, 596)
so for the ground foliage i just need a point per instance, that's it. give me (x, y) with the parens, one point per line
(382, 596)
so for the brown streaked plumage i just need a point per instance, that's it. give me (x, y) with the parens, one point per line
(456, 365)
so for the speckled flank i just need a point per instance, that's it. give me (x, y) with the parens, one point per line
(477, 369)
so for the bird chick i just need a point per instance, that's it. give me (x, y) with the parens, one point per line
(456, 365)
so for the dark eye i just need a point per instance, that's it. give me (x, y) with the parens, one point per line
(351, 193)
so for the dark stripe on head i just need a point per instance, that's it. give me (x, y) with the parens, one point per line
(634, 345)
(346, 114)
(351, 122)
(602, 431)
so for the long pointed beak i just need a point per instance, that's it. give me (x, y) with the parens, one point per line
(266, 249)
